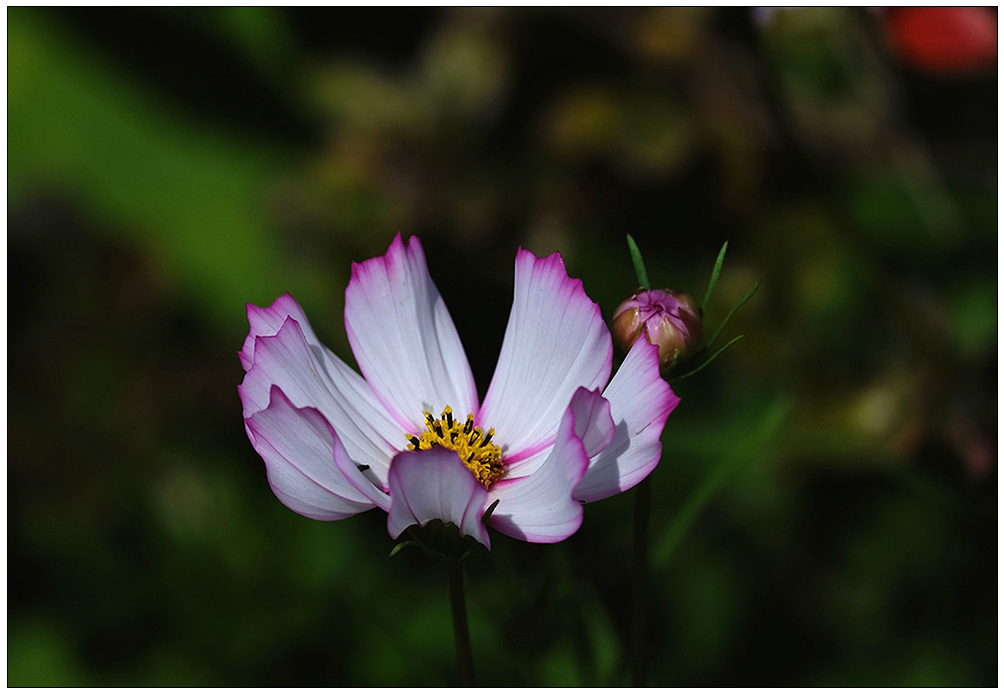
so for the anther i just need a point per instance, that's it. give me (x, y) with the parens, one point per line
(481, 457)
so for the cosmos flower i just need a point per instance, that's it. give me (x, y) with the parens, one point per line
(412, 437)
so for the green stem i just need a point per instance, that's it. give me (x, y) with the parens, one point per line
(639, 607)
(458, 608)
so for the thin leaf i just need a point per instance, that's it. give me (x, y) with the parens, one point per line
(714, 277)
(708, 361)
(639, 264)
(746, 297)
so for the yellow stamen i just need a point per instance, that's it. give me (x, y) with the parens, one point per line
(481, 457)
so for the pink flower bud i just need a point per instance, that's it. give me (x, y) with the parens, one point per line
(670, 320)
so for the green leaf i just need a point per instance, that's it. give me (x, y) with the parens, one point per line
(639, 264)
(745, 298)
(711, 359)
(714, 277)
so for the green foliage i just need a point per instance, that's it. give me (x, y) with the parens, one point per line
(639, 264)
(715, 272)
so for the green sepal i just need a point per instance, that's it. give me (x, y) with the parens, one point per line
(442, 541)
(401, 546)
(486, 517)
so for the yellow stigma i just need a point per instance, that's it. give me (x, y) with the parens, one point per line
(481, 457)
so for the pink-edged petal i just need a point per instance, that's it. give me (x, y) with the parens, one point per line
(268, 320)
(555, 342)
(298, 446)
(312, 376)
(640, 401)
(540, 508)
(404, 339)
(284, 359)
(594, 423)
(435, 484)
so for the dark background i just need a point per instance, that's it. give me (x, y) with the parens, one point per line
(825, 510)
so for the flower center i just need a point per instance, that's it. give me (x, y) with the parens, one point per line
(481, 457)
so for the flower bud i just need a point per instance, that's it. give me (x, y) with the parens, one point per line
(670, 320)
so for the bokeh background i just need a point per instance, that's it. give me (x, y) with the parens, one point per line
(825, 510)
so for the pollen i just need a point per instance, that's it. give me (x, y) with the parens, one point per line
(474, 445)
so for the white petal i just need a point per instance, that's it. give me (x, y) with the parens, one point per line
(404, 339)
(554, 343)
(361, 478)
(640, 401)
(594, 424)
(540, 508)
(268, 320)
(435, 484)
(297, 445)
(313, 376)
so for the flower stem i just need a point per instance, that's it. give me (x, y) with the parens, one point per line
(639, 607)
(458, 608)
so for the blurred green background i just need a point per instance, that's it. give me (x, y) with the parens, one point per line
(825, 510)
